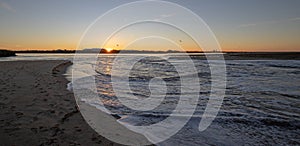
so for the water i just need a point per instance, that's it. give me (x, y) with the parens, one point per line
(261, 105)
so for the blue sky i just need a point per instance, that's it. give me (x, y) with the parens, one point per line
(239, 25)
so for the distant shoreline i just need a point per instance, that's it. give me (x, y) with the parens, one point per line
(7, 53)
(254, 56)
(194, 55)
(228, 55)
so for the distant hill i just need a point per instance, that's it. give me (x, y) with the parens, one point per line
(6, 53)
(104, 51)
(139, 51)
(89, 50)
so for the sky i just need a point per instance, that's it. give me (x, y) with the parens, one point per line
(239, 25)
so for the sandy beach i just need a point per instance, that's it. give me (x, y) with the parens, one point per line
(37, 109)
(149, 72)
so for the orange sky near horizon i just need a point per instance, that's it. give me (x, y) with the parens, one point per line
(226, 44)
(51, 25)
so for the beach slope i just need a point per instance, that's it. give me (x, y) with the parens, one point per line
(36, 108)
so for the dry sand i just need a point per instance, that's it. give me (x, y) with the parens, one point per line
(36, 108)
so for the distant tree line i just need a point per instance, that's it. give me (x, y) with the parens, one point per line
(98, 50)
(46, 51)
(6, 53)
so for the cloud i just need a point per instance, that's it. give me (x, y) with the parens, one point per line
(7, 7)
(166, 15)
(269, 22)
(248, 25)
(295, 19)
(258, 23)
(163, 16)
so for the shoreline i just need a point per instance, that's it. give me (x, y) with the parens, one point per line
(37, 108)
(251, 56)
(218, 56)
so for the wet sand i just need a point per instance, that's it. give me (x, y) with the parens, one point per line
(37, 109)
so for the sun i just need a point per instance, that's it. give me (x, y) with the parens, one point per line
(108, 49)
